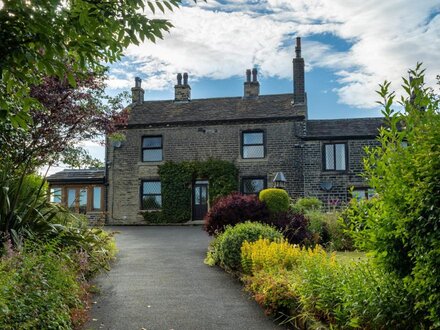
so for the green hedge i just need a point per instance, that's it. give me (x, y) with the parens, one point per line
(177, 179)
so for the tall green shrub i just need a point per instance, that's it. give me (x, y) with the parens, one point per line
(277, 200)
(405, 172)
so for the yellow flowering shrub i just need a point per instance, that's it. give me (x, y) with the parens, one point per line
(266, 255)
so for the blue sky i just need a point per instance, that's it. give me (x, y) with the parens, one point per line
(349, 47)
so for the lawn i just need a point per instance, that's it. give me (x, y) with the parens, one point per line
(347, 256)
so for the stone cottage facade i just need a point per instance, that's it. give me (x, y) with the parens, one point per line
(261, 134)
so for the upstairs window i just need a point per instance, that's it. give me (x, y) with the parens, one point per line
(152, 149)
(251, 186)
(151, 195)
(253, 144)
(335, 157)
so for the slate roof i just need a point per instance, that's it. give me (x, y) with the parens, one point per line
(78, 176)
(213, 109)
(343, 128)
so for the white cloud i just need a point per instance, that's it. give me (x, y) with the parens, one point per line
(218, 41)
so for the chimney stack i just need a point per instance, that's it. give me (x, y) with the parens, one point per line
(251, 88)
(137, 93)
(182, 91)
(299, 94)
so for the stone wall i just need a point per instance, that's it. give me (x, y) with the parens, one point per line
(221, 141)
(314, 173)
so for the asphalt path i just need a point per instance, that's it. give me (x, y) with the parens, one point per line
(159, 282)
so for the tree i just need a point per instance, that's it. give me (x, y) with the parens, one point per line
(67, 116)
(402, 226)
(47, 38)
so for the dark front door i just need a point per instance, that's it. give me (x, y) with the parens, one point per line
(200, 200)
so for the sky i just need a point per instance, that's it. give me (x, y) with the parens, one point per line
(349, 47)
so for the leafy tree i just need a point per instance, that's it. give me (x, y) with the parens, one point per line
(402, 225)
(67, 116)
(39, 37)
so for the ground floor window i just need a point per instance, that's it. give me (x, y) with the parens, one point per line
(56, 195)
(252, 185)
(151, 195)
(362, 193)
(79, 199)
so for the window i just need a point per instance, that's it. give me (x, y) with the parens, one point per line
(253, 144)
(151, 195)
(97, 193)
(71, 199)
(82, 200)
(55, 195)
(335, 157)
(152, 149)
(252, 185)
(79, 199)
(362, 193)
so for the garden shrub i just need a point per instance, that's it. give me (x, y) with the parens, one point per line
(404, 171)
(234, 237)
(212, 256)
(318, 228)
(306, 204)
(268, 255)
(153, 217)
(44, 285)
(314, 288)
(277, 200)
(232, 209)
(294, 226)
(39, 289)
(272, 291)
(339, 239)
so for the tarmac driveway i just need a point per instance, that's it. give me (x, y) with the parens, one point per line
(159, 282)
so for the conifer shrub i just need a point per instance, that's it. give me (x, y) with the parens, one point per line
(233, 209)
(277, 200)
(229, 249)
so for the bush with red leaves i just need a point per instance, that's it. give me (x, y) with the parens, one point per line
(294, 226)
(232, 209)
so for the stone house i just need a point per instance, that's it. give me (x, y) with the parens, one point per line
(261, 134)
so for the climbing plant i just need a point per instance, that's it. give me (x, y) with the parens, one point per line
(177, 180)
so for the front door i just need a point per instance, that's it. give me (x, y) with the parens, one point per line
(200, 200)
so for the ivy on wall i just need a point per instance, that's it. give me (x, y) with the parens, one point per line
(177, 180)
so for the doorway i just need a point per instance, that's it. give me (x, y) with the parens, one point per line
(200, 200)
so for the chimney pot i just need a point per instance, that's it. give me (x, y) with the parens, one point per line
(182, 92)
(137, 93)
(298, 47)
(251, 88)
(137, 82)
(254, 75)
(248, 75)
